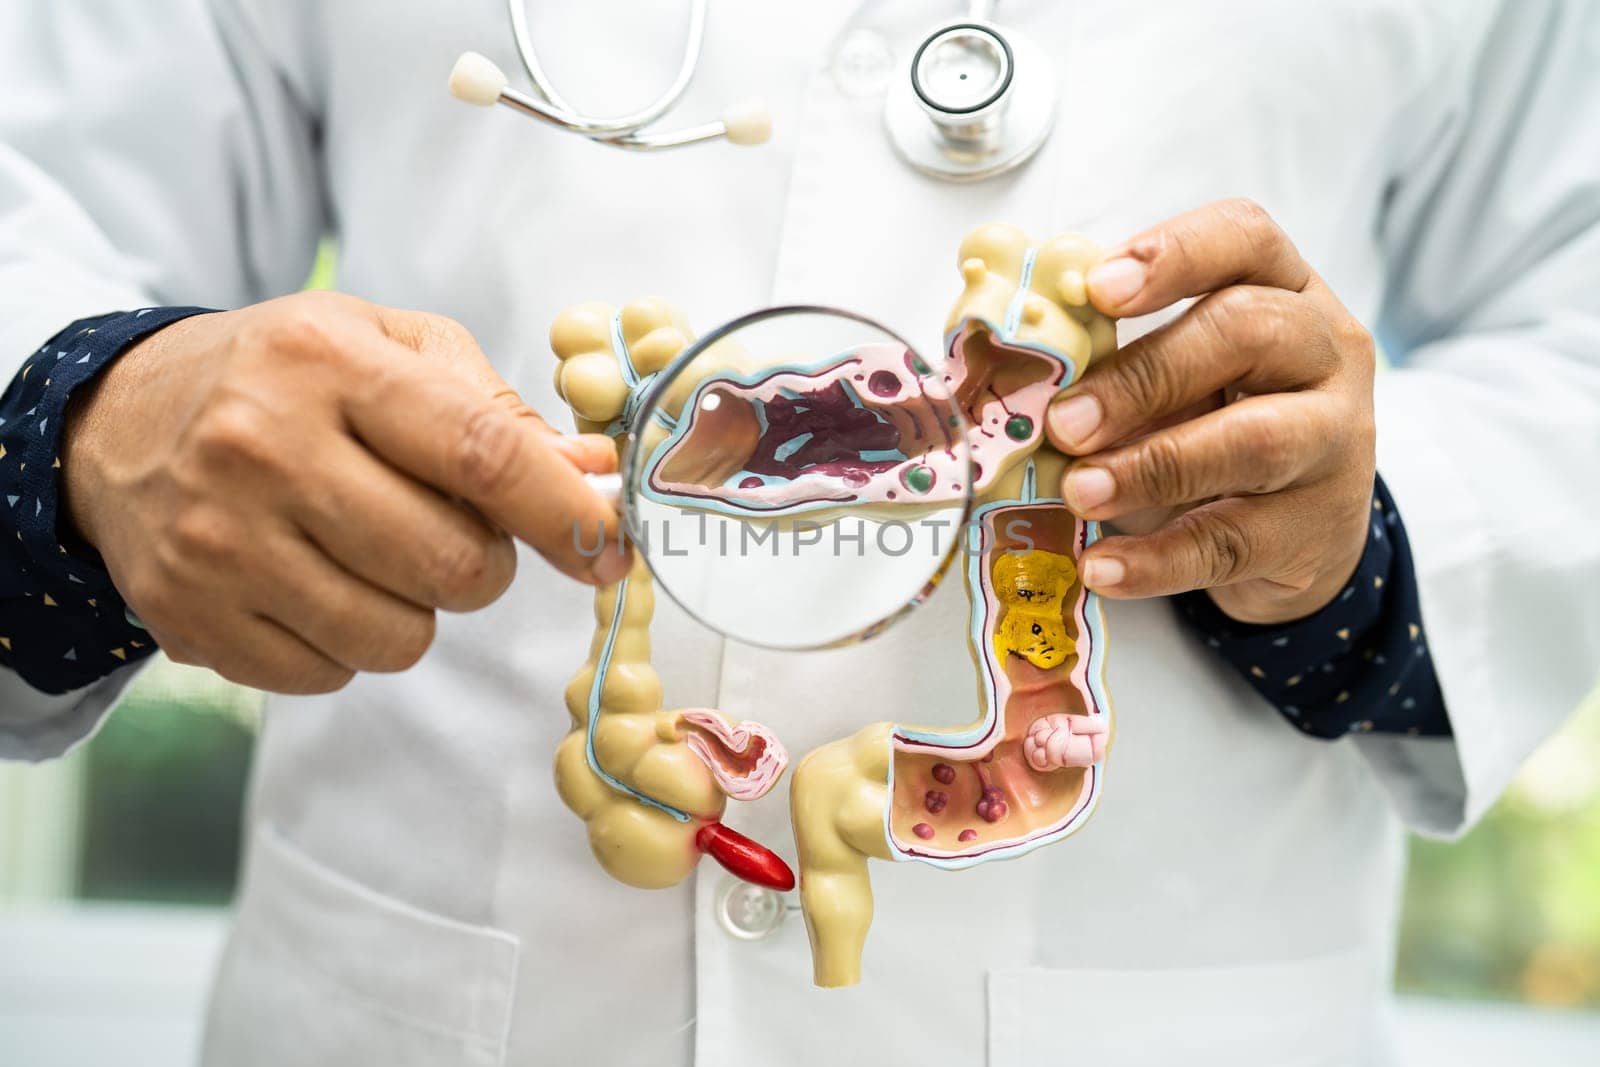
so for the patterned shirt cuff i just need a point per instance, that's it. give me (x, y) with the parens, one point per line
(62, 624)
(1359, 665)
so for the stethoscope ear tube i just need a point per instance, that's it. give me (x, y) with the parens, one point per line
(477, 80)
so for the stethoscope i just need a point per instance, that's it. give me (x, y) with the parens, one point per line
(973, 101)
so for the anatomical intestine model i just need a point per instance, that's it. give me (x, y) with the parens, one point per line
(651, 784)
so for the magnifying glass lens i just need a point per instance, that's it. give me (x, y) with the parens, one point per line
(798, 478)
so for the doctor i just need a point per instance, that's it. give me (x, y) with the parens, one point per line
(314, 493)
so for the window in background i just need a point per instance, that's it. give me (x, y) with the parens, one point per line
(1512, 911)
(163, 786)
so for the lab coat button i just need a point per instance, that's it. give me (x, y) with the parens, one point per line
(748, 912)
(863, 64)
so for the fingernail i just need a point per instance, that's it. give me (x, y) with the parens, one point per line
(612, 565)
(1117, 281)
(1103, 573)
(1075, 419)
(1088, 487)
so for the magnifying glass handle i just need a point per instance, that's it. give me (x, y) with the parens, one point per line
(609, 486)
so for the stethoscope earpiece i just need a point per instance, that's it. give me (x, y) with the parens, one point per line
(748, 122)
(476, 79)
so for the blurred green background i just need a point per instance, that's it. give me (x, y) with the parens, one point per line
(1512, 911)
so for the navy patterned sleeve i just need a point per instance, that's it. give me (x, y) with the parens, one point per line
(1361, 664)
(62, 624)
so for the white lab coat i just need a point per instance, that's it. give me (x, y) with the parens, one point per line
(416, 894)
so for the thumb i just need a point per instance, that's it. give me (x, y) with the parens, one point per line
(592, 453)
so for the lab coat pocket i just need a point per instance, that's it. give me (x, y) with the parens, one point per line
(322, 970)
(1317, 1012)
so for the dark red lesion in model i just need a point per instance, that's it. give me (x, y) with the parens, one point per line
(827, 429)
(839, 430)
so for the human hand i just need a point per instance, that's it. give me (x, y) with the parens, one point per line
(287, 492)
(1252, 412)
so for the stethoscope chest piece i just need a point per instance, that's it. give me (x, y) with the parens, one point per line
(973, 102)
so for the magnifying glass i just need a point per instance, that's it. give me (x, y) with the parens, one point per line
(797, 478)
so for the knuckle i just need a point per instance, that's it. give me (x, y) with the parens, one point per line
(1247, 319)
(1247, 212)
(500, 568)
(1160, 474)
(332, 300)
(234, 430)
(1353, 341)
(322, 306)
(1270, 447)
(407, 643)
(456, 570)
(1146, 384)
(1220, 549)
(488, 453)
(302, 326)
(380, 383)
(1333, 343)
(1257, 225)
(1227, 550)
(1326, 356)
(200, 533)
(299, 328)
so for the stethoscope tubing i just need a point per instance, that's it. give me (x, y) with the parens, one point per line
(555, 109)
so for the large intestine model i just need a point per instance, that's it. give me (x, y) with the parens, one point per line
(651, 784)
